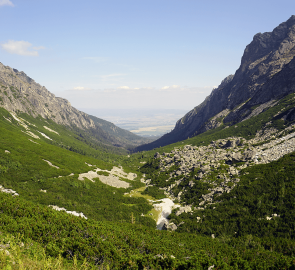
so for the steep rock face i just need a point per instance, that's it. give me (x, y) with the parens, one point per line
(262, 62)
(20, 93)
(282, 84)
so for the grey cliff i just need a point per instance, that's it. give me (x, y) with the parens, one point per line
(265, 74)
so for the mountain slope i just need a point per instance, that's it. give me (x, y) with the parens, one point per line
(21, 94)
(264, 65)
(121, 136)
(38, 165)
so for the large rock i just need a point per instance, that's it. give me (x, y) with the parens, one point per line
(157, 155)
(237, 156)
(183, 209)
(249, 154)
(169, 226)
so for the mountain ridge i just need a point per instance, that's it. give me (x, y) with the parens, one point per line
(266, 56)
(21, 94)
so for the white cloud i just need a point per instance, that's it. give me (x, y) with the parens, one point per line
(170, 87)
(21, 48)
(124, 87)
(6, 3)
(79, 88)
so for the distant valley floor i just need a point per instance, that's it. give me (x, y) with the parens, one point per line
(153, 130)
(145, 122)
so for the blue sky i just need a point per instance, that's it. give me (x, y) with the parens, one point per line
(132, 53)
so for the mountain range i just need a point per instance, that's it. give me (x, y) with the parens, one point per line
(214, 193)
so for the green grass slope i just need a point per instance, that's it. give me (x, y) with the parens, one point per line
(24, 169)
(125, 246)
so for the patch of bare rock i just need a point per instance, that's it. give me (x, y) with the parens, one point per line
(68, 212)
(9, 191)
(50, 164)
(112, 177)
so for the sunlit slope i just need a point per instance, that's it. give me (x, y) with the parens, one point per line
(214, 156)
(260, 205)
(114, 241)
(236, 182)
(126, 246)
(35, 163)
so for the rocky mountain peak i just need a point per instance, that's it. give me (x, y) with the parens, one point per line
(273, 44)
(225, 81)
(267, 56)
(270, 45)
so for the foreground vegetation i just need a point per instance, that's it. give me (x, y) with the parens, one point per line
(125, 246)
(259, 209)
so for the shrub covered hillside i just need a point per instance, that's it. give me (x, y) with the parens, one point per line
(234, 186)
(260, 208)
(45, 170)
(109, 245)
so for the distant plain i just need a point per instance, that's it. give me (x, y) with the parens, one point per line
(145, 122)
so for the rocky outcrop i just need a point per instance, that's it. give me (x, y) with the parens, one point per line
(20, 93)
(74, 213)
(280, 85)
(220, 164)
(265, 74)
(169, 226)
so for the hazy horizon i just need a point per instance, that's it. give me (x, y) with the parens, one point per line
(143, 122)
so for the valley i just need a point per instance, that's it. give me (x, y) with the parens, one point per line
(216, 192)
